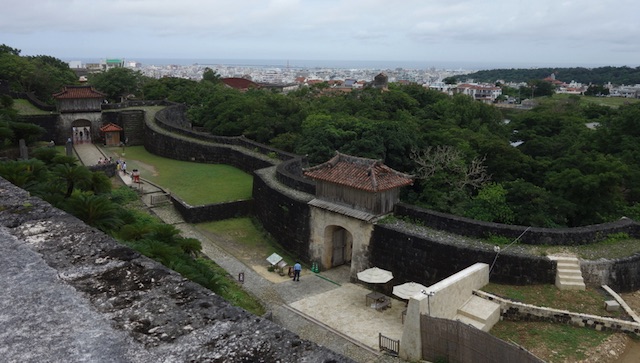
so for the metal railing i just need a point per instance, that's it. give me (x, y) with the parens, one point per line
(388, 345)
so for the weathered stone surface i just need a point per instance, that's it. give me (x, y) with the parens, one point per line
(71, 293)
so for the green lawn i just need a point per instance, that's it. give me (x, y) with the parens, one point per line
(246, 241)
(25, 107)
(555, 343)
(603, 101)
(195, 183)
(589, 301)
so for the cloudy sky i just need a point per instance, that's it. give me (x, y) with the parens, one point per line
(514, 32)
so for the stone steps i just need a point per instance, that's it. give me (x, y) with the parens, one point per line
(568, 275)
(478, 312)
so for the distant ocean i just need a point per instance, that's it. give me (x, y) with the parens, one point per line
(345, 64)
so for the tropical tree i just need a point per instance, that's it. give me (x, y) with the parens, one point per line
(95, 210)
(490, 204)
(72, 176)
(117, 83)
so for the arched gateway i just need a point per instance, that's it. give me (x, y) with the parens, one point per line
(80, 109)
(351, 194)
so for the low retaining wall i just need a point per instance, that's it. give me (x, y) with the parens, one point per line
(515, 311)
(212, 212)
(621, 274)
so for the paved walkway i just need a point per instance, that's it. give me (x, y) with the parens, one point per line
(324, 308)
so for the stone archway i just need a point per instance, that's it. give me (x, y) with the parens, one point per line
(345, 236)
(81, 131)
(338, 243)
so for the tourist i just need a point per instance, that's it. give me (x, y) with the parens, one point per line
(124, 167)
(100, 161)
(135, 174)
(296, 271)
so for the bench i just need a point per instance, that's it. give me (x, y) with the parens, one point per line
(383, 304)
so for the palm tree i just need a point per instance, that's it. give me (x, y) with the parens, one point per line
(190, 246)
(72, 175)
(95, 210)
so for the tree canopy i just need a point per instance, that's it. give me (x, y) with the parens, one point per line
(600, 75)
(43, 75)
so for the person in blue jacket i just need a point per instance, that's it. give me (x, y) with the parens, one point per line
(296, 271)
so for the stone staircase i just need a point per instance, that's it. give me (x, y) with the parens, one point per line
(568, 275)
(481, 313)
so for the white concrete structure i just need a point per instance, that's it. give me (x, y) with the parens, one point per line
(451, 298)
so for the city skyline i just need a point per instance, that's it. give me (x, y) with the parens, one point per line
(499, 33)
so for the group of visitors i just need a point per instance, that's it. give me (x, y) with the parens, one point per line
(106, 160)
(121, 165)
(81, 135)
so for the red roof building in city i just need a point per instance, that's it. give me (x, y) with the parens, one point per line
(241, 84)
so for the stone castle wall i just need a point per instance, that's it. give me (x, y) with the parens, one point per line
(528, 235)
(283, 212)
(417, 254)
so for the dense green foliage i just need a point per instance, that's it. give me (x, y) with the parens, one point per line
(43, 75)
(11, 129)
(564, 174)
(600, 75)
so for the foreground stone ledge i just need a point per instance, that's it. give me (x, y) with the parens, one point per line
(73, 293)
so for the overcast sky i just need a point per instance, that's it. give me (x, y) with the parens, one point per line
(517, 32)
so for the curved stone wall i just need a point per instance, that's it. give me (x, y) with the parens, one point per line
(528, 235)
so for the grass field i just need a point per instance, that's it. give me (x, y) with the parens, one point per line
(590, 301)
(553, 342)
(245, 240)
(195, 183)
(25, 107)
(603, 101)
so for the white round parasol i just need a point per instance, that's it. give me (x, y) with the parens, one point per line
(375, 275)
(408, 289)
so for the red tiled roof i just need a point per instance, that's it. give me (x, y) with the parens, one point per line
(110, 127)
(70, 92)
(240, 83)
(359, 173)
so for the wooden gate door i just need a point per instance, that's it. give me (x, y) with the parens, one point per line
(339, 246)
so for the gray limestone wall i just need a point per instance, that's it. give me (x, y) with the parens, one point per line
(212, 212)
(72, 293)
(622, 275)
